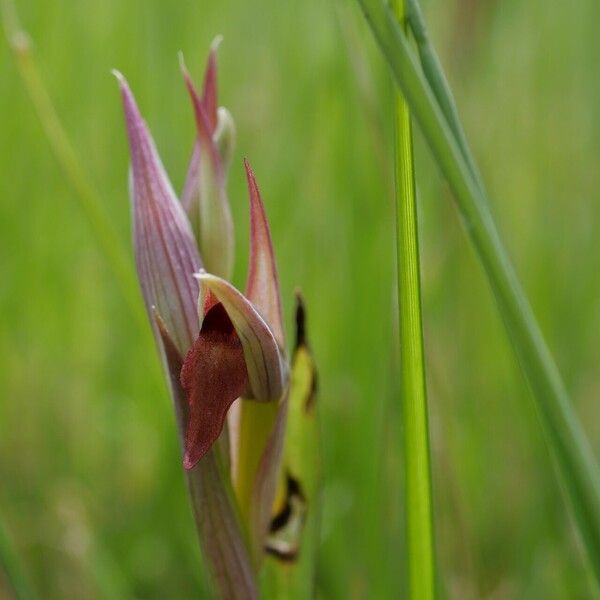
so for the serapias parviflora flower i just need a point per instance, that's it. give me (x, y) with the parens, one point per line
(217, 343)
(243, 334)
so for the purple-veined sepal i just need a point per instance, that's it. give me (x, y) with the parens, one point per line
(165, 250)
(220, 121)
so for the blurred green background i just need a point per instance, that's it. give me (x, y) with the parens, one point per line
(90, 479)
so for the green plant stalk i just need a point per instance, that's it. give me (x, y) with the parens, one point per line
(11, 566)
(565, 437)
(88, 198)
(418, 503)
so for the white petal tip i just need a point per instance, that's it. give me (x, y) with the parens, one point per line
(216, 43)
(201, 274)
(181, 61)
(119, 76)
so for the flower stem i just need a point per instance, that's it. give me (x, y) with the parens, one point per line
(418, 504)
(564, 435)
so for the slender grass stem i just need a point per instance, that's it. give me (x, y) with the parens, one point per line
(434, 74)
(88, 198)
(10, 564)
(418, 503)
(565, 437)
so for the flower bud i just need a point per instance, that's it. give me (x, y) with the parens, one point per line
(224, 137)
(204, 196)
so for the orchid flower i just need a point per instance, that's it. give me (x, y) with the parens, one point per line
(218, 346)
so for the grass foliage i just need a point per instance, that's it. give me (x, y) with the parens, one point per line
(92, 490)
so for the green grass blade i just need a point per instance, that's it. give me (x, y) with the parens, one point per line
(418, 503)
(564, 435)
(11, 568)
(434, 74)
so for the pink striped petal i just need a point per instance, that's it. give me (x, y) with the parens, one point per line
(262, 288)
(209, 92)
(205, 128)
